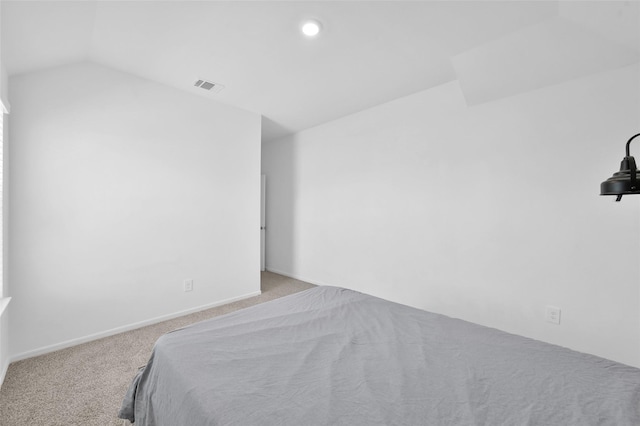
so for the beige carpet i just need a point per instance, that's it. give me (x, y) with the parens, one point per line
(84, 385)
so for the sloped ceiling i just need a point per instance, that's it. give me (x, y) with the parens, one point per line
(550, 52)
(368, 52)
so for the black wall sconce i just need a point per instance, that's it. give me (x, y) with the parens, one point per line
(626, 181)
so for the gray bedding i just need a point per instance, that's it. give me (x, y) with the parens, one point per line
(331, 356)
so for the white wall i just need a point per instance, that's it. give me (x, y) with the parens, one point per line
(122, 188)
(486, 213)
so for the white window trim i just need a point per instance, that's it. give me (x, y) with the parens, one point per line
(4, 302)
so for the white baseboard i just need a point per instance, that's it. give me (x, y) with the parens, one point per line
(118, 330)
(297, 277)
(3, 373)
(4, 363)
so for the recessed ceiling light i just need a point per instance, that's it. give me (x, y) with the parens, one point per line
(311, 28)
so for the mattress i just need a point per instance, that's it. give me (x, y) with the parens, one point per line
(332, 356)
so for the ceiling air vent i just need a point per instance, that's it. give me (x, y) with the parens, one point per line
(209, 85)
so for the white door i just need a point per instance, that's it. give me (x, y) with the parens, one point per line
(263, 223)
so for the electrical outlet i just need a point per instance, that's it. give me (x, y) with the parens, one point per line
(188, 285)
(552, 315)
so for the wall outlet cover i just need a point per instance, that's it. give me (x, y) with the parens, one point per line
(552, 314)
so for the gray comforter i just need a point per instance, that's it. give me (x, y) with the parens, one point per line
(330, 356)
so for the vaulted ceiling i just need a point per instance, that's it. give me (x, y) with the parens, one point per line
(369, 52)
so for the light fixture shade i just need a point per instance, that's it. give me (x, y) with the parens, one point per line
(621, 183)
(625, 181)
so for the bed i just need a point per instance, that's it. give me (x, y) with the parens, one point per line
(332, 356)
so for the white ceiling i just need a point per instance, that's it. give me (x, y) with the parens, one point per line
(367, 54)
